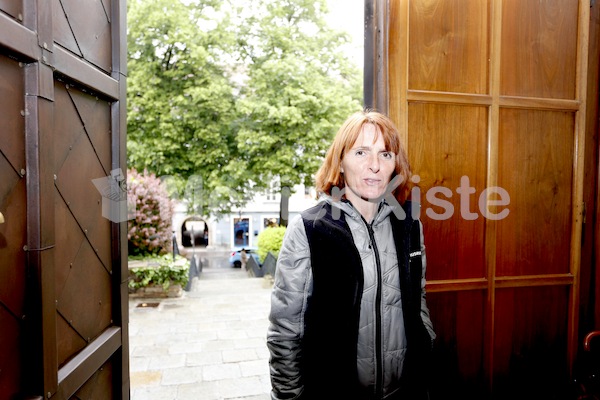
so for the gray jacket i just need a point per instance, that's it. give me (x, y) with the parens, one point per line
(293, 287)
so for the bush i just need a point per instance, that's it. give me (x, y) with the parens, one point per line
(270, 240)
(150, 232)
(160, 271)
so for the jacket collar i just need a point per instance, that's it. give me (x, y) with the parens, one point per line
(383, 211)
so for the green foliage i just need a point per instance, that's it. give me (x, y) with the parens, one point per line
(269, 241)
(149, 232)
(179, 93)
(224, 98)
(160, 270)
(301, 87)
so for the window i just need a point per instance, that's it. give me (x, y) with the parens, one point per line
(240, 231)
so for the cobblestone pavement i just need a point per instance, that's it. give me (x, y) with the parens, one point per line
(209, 344)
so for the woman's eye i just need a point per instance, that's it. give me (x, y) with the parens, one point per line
(359, 153)
(387, 155)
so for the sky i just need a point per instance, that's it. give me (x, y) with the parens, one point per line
(348, 15)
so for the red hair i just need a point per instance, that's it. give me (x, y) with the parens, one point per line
(329, 176)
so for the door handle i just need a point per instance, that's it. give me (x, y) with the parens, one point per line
(1, 218)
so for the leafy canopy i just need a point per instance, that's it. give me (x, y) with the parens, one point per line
(300, 88)
(224, 98)
(180, 97)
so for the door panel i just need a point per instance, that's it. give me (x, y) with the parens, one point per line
(460, 359)
(495, 91)
(99, 386)
(13, 8)
(63, 34)
(443, 30)
(12, 104)
(13, 232)
(539, 48)
(530, 343)
(63, 270)
(89, 22)
(458, 134)
(539, 146)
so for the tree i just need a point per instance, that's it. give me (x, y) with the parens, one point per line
(300, 88)
(180, 96)
(226, 102)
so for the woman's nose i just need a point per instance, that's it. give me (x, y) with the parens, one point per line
(374, 164)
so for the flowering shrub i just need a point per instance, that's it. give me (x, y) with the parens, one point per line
(150, 231)
(269, 241)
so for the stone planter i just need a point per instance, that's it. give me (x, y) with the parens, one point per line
(156, 292)
(157, 271)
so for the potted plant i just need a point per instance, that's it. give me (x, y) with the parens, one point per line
(158, 276)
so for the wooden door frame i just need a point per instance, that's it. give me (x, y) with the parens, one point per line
(32, 43)
(590, 296)
(376, 74)
(593, 209)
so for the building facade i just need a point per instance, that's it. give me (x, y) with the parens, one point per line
(242, 226)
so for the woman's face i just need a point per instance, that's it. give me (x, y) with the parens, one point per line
(367, 166)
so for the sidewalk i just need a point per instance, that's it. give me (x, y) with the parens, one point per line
(209, 344)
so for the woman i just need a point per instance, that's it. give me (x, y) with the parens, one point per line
(348, 313)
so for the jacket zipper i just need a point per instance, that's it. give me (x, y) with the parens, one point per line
(378, 344)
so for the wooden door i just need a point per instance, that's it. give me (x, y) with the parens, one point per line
(493, 95)
(63, 274)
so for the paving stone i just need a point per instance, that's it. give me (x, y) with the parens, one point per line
(232, 334)
(147, 351)
(235, 388)
(145, 378)
(138, 364)
(259, 397)
(218, 372)
(179, 376)
(263, 352)
(232, 356)
(251, 343)
(208, 344)
(198, 391)
(156, 393)
(204, 358)
(186, 348)
(254, 368)
(219, 345)
(169, 361)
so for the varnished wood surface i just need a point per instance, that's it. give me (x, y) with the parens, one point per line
(62, 79)
(494, 90)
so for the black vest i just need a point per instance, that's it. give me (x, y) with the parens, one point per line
(332, 315)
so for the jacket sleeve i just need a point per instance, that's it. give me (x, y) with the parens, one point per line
(291, 290)
(424, 309)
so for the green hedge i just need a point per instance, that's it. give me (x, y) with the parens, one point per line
(269, 241)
